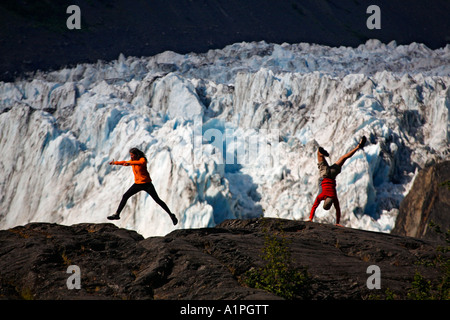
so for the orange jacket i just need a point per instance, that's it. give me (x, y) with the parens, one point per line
(141, 174)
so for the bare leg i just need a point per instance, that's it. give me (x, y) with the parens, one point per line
(348, 155)
(152, 192)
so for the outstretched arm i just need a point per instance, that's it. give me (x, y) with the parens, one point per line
(128, 163)
(140, 161)
(119, 163)
(314, 207)
(338, 210)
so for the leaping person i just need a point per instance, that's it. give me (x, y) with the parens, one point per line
(327, 180)
(142, 182)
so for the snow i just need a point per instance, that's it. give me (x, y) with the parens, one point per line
(231, 133)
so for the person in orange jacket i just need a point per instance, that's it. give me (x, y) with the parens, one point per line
(142, 182)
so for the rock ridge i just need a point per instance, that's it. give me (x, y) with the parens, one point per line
(203, 264)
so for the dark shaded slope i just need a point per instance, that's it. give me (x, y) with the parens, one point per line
(33, 34)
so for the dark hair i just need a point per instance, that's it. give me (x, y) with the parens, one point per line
(138, 153)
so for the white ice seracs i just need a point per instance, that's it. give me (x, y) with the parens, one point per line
(229, 133)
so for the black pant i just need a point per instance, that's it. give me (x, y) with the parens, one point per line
(135, 188)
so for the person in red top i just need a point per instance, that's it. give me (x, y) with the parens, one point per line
(327, 180)
(142, 182)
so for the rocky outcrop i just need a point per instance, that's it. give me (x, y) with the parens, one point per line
(427, 201)
(208, 263)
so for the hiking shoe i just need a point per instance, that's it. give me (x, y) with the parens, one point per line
(323, 152)
(174, 219)
(113, 217)
(362, 143)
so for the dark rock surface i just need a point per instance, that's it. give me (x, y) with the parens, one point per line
(427, 201)
(204, 263)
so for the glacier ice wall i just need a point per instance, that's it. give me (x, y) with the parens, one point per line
(230, 133)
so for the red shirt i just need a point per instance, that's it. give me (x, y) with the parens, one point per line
(329, 188)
